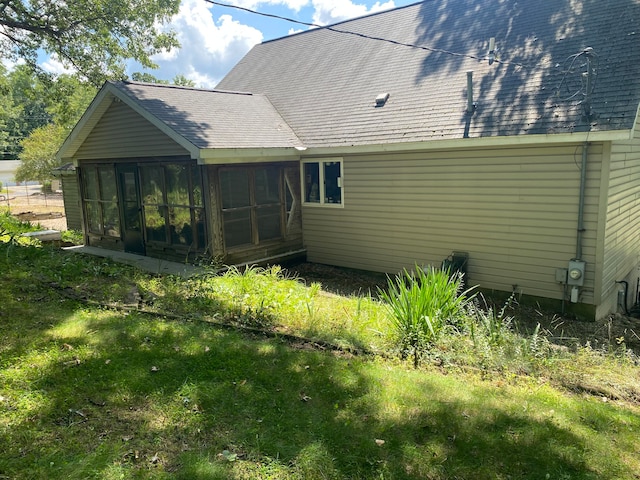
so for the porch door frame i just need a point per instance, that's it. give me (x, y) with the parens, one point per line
(131, 208)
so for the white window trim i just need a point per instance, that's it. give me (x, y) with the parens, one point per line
(320, 162)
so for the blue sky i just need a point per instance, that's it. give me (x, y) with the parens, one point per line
(214, 38)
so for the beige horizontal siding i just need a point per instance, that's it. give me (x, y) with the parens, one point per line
(622, 230)
(514, 210)
(123, 133)
(72, 209)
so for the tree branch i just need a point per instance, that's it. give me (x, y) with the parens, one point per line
(33, 28)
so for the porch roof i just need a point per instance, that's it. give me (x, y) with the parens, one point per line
(204, 122)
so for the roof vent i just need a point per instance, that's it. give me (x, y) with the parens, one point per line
(382, 99)
(492, 50)
(471, 105)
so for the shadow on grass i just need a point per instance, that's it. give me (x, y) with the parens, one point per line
(122, 394)
(89, 393)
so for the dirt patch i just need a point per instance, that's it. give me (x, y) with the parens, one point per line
(341, 281)
(47, 210)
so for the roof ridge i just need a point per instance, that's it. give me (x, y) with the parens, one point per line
(179, 87)
(341, 22)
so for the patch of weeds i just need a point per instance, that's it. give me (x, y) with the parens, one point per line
(12, 226)
(487, 321)
(73, 237)
(258, 296)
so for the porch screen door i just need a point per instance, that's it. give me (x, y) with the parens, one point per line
(131, 209)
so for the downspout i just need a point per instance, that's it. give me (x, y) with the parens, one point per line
(583, 181)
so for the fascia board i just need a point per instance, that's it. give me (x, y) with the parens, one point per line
(466, 143)
(218, 156)
(89, 119)
(635, 123)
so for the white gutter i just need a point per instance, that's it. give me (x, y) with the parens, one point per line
(478, 142)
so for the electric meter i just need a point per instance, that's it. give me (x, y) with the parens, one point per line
(576, 273)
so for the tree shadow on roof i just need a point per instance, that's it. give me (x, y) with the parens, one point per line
(537, 83)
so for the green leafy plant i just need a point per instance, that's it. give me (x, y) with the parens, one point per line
(422, 304)
(72, 236)
(488, 321)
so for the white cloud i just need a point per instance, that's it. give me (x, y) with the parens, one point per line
(332, 11)
(208, 48)
(294, 5)
(10, 64)
(213, 41)
(54, 66)
(200, 79)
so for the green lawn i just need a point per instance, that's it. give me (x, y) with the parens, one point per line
(95, 392)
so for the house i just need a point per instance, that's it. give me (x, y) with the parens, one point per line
(65, 176)
(505, 130)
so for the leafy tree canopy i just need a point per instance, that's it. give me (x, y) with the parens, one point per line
(22, 108)
(148, 78)
(64, 99)
(93, 36)
(38, 156)
(29, 101)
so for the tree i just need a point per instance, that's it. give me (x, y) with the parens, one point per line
(183, 81)
(36, 114)
(67, 98)
(7, 113)
(148, 78)
(93, 36)
(22, 108)
(38, 156)
(29, 101)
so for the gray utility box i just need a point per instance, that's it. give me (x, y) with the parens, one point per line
(575, 276)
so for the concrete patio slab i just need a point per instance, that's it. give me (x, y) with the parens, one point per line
(148, 264)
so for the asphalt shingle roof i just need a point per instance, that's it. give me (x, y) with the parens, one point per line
(324, 83)
(214, 118)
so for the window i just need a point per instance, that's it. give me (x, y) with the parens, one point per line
(172, 205)
(100, 200)
(236, 207)
(322, 182)
(253, 205)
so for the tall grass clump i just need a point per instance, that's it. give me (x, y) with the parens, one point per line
(493, 343)
(489, 322)
(422, 305)
(259, 296)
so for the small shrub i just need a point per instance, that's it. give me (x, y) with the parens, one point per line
(422, 305)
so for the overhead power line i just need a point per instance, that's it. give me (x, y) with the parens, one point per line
(361, 35)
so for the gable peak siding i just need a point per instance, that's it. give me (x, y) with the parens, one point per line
(514, 210)
(123, 133)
